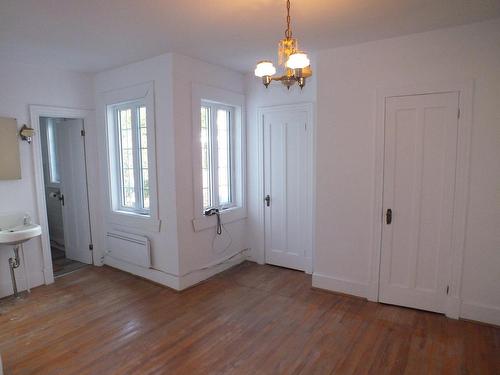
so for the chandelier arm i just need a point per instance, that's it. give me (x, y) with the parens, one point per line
(283, 77)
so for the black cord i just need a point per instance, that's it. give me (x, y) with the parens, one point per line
(219, 224)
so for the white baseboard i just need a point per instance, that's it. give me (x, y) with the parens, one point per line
(339, 285)
(253, 259)
(452, 307)
(171, 281)
(147, 273)
(197, 276)
(468, 310)
(308, 266)
(481, 313)
(256, 256)
(372, 292)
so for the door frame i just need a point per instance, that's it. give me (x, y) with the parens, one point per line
(88, 117)
(308, 107)
(460, 203)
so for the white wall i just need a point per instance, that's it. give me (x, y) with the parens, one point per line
(345, 95)
(257, 96)
(347, 86)
(22, 85)
(164, 244)
(177, 250)
(195, 248)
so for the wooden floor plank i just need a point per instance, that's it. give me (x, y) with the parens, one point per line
(250, 319)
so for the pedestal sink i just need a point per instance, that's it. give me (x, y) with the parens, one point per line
(15, 229)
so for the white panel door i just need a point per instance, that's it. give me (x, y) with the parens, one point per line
(287, 218)
(419, 179)
(74, 189)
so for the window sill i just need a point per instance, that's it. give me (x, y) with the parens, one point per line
(227, 216)
(135, 221)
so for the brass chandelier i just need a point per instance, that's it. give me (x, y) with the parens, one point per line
(296, 64)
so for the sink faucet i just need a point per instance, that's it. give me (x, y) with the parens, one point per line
(27, 219)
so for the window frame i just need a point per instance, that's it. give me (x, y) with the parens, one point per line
(214, 154)
(134, 107)
(238, 211)
(127, 219)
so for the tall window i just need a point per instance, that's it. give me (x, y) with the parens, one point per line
(217, 155)
(132, 150)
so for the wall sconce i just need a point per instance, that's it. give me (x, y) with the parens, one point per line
(26, 133)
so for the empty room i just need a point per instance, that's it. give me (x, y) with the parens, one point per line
(250, 187)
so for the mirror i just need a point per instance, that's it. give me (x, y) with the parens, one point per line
(10, 163)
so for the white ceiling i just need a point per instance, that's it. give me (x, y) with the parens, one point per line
(94, 35)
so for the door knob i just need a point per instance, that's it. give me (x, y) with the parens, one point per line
(388, 216)
(268, 200)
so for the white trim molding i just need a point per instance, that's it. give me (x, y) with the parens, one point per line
(227, 216)
(160, 277)
(465, 90)
(106, 100)
(340, 285)
(480, 312)
(194, 277)
(88, 117)
(175, 281)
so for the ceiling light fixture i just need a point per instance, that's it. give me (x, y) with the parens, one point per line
(295, 62)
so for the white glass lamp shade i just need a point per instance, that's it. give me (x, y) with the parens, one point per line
(265, 68)
(298, 60)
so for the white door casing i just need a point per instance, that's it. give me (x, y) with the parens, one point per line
(287, 182)
(75, 211)
(37, 111)
(420, 159)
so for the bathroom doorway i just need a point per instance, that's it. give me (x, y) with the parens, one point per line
(66, 193)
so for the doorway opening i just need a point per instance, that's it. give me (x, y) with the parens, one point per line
(66, 193)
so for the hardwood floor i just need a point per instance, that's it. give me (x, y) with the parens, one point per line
(248, 320)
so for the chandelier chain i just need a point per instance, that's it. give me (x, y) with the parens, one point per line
(288, 31)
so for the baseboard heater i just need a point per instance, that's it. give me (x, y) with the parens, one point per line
(129, 248)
